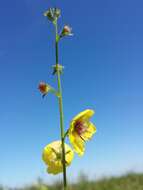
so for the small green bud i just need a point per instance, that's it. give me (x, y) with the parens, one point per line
(57, 68)
(57, 12)
(53, 14)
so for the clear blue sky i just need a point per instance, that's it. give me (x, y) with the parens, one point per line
(103, 71)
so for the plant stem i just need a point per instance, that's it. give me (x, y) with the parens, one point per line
(61, 110)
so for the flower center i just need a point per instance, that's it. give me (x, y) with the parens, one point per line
(59, 156)
(80, 127)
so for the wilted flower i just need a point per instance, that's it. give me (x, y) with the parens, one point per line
(81, 130)
(52, 156)
(53, 14)
(44, 88)
(67, 31)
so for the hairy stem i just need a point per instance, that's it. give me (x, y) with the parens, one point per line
(61, 110)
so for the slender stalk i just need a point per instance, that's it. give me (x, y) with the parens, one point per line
(61, 110)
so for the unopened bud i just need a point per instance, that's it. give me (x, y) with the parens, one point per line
(57, 68)
(67, 31)
(53, 14)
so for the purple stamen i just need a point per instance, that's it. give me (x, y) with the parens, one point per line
(80, 127)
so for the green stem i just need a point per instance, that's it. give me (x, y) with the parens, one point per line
(61, 111)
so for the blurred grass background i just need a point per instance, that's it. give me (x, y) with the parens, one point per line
(131, 181)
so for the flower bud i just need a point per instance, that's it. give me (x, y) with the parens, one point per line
(66, 31)
(57, 68)
(57, 12)
(53, 14)
(44, 88)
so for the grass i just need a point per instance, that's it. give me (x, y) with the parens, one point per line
(130, 181)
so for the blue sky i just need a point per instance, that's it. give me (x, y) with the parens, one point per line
(103, 71)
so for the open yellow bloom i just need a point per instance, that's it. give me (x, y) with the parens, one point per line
(81, 130)
(52, 156)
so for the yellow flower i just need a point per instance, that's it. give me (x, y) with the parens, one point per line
(81, 130)
(52, 156)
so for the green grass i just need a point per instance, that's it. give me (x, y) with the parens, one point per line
(130, 181)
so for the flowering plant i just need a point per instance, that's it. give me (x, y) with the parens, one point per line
(58, 155)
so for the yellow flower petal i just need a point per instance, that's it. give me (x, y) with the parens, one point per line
(52, 156)
(87, 135)
(77, 142)
(86, 114)
(81, 130)
(54, 170)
